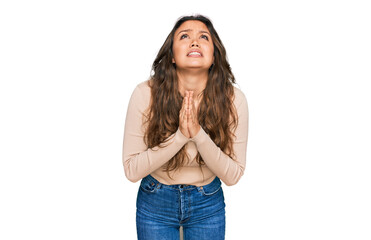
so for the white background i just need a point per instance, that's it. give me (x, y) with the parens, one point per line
(67, 71)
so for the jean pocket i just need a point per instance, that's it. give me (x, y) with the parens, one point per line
(210, 192)
(148, 186)
(211, 188)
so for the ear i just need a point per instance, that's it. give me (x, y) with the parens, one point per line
(173, 60)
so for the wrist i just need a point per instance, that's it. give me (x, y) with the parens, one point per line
(198, 128)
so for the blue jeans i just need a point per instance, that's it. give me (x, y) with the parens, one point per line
(162, 209)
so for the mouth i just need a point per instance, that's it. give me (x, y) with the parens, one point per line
(194, 54)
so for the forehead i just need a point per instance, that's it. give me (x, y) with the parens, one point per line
(194, 25)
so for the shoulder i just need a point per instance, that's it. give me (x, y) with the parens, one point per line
(143, 88)
(240, 103)
(141, 96)
(239, 97)
(142, 91)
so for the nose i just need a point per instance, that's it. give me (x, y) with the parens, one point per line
(194, 43)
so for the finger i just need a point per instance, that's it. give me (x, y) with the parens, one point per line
(187, 101)
(189, 105)
(193, 115)
(184, 105)
(186, 98)
(192, 112)
(192, 102)
(183, 113)
(192, 106)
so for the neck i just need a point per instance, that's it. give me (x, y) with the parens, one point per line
(195, 82)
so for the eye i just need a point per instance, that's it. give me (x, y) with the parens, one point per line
(181, 37)
(205, 37)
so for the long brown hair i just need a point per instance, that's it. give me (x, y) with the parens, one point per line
(216, 115)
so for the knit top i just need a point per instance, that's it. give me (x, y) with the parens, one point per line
(139, 160)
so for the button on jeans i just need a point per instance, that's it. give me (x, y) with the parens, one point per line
(162, 209)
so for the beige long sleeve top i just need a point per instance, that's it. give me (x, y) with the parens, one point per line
(139, 160)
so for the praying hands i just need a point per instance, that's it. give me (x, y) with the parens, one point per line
(188, 122)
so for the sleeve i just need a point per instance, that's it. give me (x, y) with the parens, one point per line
(138, 159)
(228, 170)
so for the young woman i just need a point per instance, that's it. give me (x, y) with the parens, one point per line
(186, 129)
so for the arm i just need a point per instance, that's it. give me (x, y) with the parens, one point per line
(228, 170)
(138, 159)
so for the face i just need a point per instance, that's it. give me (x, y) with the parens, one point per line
(192, 46)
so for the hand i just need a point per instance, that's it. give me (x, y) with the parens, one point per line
(192, 121)
(183, 125)
(188, 122)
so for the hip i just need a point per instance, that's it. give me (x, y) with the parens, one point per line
(180, 204)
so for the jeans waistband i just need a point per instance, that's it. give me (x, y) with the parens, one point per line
(215, 184)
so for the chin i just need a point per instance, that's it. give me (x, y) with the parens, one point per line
(200, 66)
(197, 68)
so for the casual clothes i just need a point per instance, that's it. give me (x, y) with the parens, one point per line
(140, 161)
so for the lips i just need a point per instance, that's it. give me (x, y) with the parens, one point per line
(194, 53)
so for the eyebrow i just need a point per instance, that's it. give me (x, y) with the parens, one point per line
(189, 30)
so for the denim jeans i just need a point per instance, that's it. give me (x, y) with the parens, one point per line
(162, 209)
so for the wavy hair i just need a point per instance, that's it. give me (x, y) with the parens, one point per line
(216, 114)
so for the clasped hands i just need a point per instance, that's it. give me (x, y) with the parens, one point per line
(188, 122)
